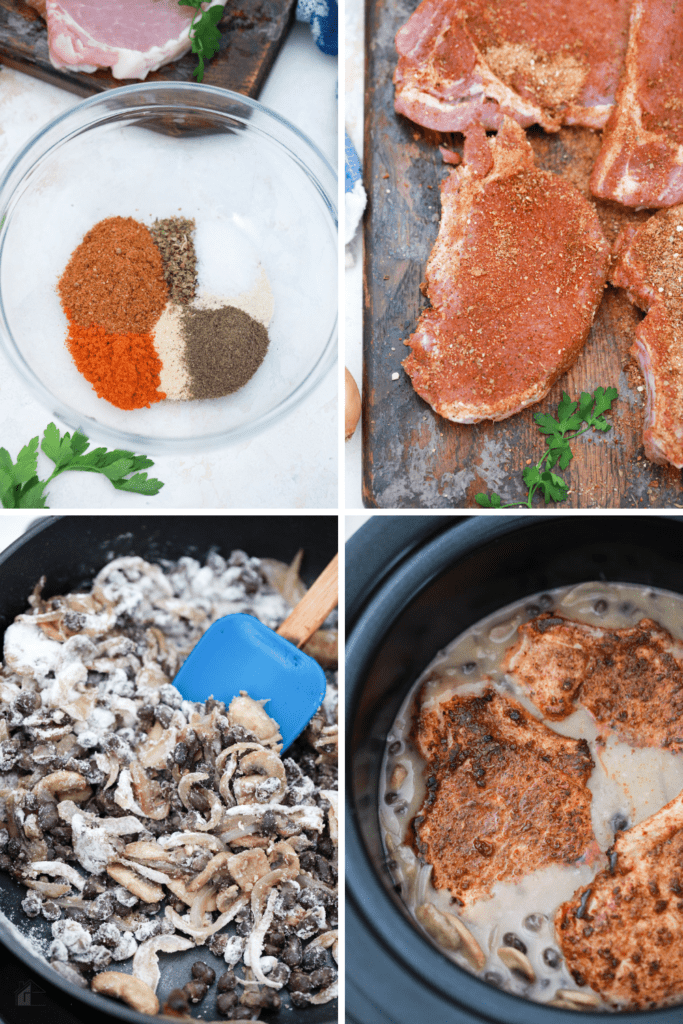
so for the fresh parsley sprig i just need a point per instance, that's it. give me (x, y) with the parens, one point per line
(206, 38)
(589, 410)
(20, 486)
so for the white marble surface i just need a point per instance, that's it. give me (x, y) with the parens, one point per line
(353, 283)
(292, 464)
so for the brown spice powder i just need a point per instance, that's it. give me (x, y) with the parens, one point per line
(223, 350)
(114, 279)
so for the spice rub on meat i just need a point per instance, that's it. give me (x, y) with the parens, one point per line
(623, 934)
(506, 795)
(650, 268)
(549, 62)
(629, 679)
(514, 278)
(641, 160)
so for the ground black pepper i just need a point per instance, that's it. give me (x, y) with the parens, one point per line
(173, 238)
(223, 350)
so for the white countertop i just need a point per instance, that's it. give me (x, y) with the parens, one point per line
(292, 464)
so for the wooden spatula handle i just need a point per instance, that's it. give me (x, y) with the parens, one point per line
(314, 606)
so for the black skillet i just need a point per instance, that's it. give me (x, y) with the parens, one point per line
(70, 550)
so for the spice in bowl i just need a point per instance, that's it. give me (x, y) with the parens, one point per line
(137, 330)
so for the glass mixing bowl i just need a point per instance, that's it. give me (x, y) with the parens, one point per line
(262, 195)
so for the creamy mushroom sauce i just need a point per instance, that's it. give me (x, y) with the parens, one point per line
(627, 784)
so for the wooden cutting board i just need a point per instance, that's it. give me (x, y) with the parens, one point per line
(413, 458)
(253, 31)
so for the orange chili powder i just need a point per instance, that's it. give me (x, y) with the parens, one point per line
(123, 368)
(113, 292)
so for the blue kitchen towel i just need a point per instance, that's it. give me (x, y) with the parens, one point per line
(353, 189)
(322, 16)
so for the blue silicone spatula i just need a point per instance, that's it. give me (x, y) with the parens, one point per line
(239, 653)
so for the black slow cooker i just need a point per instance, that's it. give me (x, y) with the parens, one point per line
(69, 551)
(413, 584)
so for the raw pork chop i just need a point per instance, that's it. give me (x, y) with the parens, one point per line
(629, 679)
(505, 794)
(641, 160)
(623, 934)
(131, 37)
(650, 267)
(549, 62)
(514, 278)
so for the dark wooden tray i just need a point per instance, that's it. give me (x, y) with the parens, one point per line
(253, 31)
(413, 458)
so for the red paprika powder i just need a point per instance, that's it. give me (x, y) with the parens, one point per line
(113, 293)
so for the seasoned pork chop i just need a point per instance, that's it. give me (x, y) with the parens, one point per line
(629, 679)
(648, 267)
(641, 160)
(547, 62)
(514, 278)
(623, 934)
(130, 37)
(505, 794)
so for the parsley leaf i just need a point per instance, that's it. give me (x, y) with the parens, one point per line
(559, 432)
(204, 33)
(21, 488)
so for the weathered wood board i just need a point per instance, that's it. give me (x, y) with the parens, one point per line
(413, 458)
(252, 30)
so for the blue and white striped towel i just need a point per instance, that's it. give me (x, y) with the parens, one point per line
(353, 190)
(322, 16)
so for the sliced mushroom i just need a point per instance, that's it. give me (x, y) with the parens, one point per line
(326, 940)
(148, 892)
(517, 961)
(204, 899)
(201, 934)
(159, 746)
(247, 867)
(108, 764)
(216, 866)
(151, 853)
(149, 794)
(191, 839)
(58, 868)
(69, 973)
(325, 995)
(226, 897)
(332, 798)
(576, 998)
(146, 960)
(263, 765)
(179, 888)
(283, 855)
(216, 815)
(186, 784)
(53, 890)
(440, 926)
(128, 988)
(255, 943)
(250, 714)
(232, 751)
(305, 816)
(323, 647)
(146, 871)
(59, 782)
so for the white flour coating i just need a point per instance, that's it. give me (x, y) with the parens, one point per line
(626, 783)
(103, 765)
